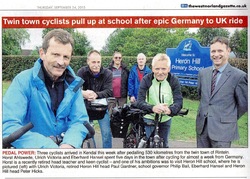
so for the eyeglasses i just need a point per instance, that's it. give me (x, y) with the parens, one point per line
(118, 57)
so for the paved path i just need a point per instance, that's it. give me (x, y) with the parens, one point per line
(117, 143)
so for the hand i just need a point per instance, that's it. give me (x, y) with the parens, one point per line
(132, 99)
(161, 108)
(89, 95)
(65, 146)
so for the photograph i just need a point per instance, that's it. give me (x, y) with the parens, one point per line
(136, 90)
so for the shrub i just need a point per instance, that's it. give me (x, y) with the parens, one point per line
(12, 65)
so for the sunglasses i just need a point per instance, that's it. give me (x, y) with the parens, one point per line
(118, 57)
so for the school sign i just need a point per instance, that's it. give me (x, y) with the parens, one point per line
(188, 59)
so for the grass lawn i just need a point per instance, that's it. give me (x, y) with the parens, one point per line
(183, 128)
(6, 84)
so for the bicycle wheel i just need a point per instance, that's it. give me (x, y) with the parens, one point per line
(89, 143)
(129, 141)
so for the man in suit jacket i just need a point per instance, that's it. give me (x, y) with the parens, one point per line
(219, 109)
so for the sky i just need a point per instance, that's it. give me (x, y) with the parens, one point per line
(96, 36)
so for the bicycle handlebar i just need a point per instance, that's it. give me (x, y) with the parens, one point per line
(135, 110)
(183, 112)
(17, 134)
(91, 130)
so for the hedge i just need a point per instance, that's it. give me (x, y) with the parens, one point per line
(12, 65)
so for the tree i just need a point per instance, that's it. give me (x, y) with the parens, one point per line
(81, 46)
(45, 31)
(12, 39)
(238, 43)
(149, 41)
(116, 41)
(206, 35)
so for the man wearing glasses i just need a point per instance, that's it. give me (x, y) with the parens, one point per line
(120, 79)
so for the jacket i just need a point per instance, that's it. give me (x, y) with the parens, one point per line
(225, 106)
(145, 85)
(102, 84)
(133, 80)
(124, 83)
(27, 100)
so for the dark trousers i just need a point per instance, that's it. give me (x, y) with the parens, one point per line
(204, 141)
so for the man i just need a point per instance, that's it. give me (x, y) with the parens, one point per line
(160, 93)
(49, 96)
(120, 79)
(137, 72)
(223, 99)
(97, 84)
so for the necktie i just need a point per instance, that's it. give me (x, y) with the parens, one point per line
(215, 72)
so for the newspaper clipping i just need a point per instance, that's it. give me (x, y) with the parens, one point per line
(99, 21)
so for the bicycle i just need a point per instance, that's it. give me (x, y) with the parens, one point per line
(87, 142)
(127, 122)
(155, 141)
(136, 131)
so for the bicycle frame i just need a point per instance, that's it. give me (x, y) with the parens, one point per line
(155, 141)
(135, 136)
